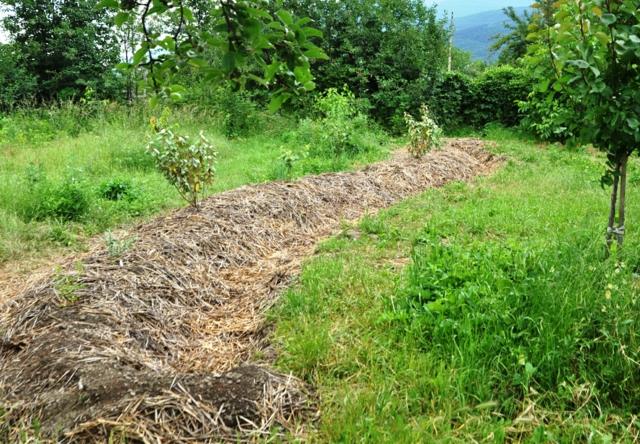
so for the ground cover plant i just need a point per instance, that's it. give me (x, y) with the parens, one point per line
(482, 311)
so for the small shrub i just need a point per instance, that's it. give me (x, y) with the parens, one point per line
(116, 189)
(424, 134)
(68, 285)
(339, 129)
(340, 123)
(187, 165)
(59, 234)
(66, 201)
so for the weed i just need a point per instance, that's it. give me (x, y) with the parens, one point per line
(116, 189)
(117, 247)
(67, 285)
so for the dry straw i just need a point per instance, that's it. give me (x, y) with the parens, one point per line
(154, 344)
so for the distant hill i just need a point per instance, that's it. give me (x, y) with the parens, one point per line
(462, 8)
(474, 33)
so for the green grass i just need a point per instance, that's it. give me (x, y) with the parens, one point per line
(52, 184)
(479, 312)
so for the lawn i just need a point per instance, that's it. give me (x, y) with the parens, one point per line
(479, 312)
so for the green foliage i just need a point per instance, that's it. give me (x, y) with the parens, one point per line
(187, 165)
(66, 201)
(60, 47)
(284, 169)
(116, 189)
(338, 132)
(498, 91)
(459, 100)
(384, 52)
(17, 85)
(424, 134)
(116, 247)
(243, 42)
(67, 286)
(341, 123)
(239, 114)
(495, 304)
(513, 45)
(459, 315)
(452, 99)
(45, 123)
(594, 51)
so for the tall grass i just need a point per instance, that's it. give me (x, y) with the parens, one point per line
(481, 311)
(57, 163)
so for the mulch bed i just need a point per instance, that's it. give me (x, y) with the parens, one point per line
(155, 344)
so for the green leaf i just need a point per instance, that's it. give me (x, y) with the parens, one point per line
(229, 61)
(582, 64)
(608, 19)
(316, 53)
(286, 17)
(140, 54)
(198, 62)
(121, 18)
(277, 101)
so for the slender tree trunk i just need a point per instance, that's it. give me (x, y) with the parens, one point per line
(621, 204)
(612, 210)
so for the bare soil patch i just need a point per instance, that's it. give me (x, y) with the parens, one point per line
(154, 344)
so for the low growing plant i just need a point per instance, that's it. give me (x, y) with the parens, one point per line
(187, 165)
(116, 189)
(116, 247)
(424, 134)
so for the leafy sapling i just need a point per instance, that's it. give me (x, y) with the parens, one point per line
(595, 53)
(424, 134)
(188, 165)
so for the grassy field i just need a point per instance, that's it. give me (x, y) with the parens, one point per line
(61, 183)
(480, 312)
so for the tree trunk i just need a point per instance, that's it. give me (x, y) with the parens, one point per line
(612, 210)
(621, 205)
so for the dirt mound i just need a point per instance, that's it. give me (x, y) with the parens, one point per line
(153, 343)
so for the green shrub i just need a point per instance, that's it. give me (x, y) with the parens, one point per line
(66, 201)
(498, 91)
(187, 165)
(116, 189)
(339, 129)
(452, 99)
(459, 100)
(284, 167)
(424, 134)
(548, 118)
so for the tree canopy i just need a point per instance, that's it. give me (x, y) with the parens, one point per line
(65, 46)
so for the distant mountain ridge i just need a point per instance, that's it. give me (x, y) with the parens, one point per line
(463, 8)
(474, 33)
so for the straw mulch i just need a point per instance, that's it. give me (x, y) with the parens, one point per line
(155, 344)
